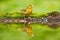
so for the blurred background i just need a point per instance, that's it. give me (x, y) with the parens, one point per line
(41, 32)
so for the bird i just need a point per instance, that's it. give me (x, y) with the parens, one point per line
(28, 11)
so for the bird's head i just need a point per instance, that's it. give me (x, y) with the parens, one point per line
(30, 6)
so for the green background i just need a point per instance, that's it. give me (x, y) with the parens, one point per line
(40, 7)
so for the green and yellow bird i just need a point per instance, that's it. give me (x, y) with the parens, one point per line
(27, 11)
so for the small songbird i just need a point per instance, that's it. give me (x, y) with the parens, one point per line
(27, 11)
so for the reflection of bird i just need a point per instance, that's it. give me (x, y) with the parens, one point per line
(27, 11)
(27, 28)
